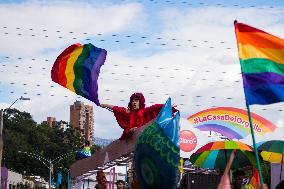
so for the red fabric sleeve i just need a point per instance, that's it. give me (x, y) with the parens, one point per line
(123, 119)
(152, 112)
(122, 116)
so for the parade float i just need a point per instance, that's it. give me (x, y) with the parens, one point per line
(153, 149)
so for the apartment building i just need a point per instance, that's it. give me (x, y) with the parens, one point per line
(82, 117)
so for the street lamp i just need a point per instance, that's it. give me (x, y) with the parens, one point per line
(49, 163)
(2, 111)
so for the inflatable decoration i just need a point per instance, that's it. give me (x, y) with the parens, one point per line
(157, 152)
(84, 153)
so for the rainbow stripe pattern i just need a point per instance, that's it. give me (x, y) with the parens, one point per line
(84, 153)
(230, 122)
(262, 64)
(77, 68)
(215, 155)
(254, 180)
(272, 151)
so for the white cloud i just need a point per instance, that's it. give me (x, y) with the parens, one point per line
(216, 24)
(65, 17)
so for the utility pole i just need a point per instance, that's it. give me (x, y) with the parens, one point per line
(1, 144)
(50, 168)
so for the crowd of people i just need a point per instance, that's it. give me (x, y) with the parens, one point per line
(131, 181)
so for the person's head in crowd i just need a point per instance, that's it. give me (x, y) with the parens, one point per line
(120, 184)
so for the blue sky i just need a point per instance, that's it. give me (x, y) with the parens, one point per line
(182, 49)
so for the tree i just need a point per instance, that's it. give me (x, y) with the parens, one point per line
(22, 133)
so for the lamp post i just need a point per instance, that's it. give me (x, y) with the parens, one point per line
(2, 111)
(49, 163)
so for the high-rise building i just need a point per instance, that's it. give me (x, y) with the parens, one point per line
(82, 118)
(51, 122)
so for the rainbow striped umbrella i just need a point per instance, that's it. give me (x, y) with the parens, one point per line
(215, 155)
(273, 151)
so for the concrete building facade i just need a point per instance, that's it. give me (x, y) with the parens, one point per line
(82, 118)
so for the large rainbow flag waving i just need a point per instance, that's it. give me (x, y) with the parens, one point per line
(77, 68)
(262, 63)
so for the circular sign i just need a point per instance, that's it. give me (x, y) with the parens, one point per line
(188, 141)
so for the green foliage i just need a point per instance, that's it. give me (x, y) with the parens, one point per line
(22, 133)
(95, 148)
(265, 169)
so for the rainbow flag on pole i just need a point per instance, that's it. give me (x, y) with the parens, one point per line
(254, 182)
(262, 64)
(77, 68)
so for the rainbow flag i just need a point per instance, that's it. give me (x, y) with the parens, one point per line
(77, 68)
(254, 181)
(262, 63)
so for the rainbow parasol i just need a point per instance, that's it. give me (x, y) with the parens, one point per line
(215, 155)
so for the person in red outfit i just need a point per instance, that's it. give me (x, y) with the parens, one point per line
(135, 115)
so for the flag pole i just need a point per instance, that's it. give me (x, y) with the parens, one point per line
(254, 145)
(251, 125)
